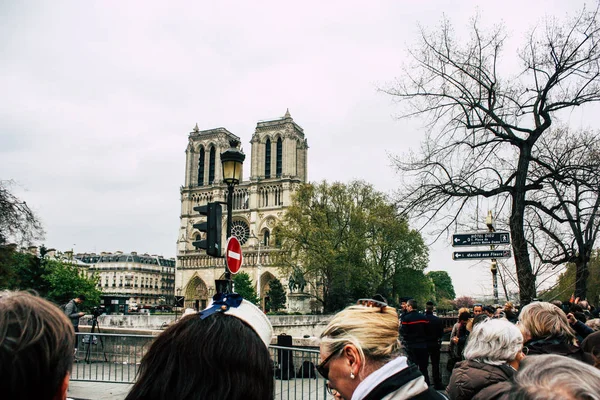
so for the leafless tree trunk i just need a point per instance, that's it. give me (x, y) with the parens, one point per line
(483, 127)
(565, 214)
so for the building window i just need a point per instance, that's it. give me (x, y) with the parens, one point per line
(201, 167)
(266, 238)
(268, 159)
(278, 159)
(211, 166)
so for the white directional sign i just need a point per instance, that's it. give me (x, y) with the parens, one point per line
(480, 239)
(480, 255)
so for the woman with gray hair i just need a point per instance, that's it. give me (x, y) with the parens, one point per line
(554, 377)
(492, 357)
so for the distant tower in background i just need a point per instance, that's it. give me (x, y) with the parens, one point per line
(278, 166)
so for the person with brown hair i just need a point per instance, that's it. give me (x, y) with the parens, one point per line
(36, 348)
(361, 356)
(219, 353)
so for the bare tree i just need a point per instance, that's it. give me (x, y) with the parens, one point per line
(484, 125)
(564, 215)
(17, 222)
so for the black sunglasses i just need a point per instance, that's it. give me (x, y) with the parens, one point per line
(371, 303)
(321, 367)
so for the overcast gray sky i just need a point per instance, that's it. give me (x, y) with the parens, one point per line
(97, 100)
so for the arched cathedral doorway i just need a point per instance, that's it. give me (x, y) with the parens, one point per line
(265, 279)
(196, 294)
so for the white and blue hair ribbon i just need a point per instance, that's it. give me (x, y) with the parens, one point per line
(221, 303)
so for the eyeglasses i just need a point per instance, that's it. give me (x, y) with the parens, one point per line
(321, 367)
(525, 350)
(371, 303)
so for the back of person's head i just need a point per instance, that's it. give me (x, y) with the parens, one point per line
(557, 303)
(429, 306)
(479, 319)
(36, 347)
(594, 323)
(215, 354)
(555, 377)
(372, 330)
(81, 297)
(494, 341)
(464, 316)
(463, 309)
(541, 320)
(489, 309)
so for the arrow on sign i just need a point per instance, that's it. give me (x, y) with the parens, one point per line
(480, 255)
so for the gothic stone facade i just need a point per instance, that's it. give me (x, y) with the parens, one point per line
(277, 167)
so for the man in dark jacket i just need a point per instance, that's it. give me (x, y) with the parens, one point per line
(434, 331)
(412, 331)
(72, 311)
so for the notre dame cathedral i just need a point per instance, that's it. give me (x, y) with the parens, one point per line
(278, 158)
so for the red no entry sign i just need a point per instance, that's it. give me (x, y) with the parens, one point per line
(233, 255)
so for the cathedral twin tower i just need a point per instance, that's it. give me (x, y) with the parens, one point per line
(278, 165)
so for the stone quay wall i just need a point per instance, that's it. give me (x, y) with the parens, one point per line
(297, 326)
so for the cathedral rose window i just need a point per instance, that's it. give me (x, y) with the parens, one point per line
(240, 230)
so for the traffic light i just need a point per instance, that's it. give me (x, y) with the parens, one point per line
(212, 227)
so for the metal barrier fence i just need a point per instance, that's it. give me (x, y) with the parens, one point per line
(105, 357)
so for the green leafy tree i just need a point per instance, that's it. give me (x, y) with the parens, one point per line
(276, 293)
(413, 283)
(55, 279)
(444, 289)
(66, 281)
(24, 271)
(244, 286)
(350, 241)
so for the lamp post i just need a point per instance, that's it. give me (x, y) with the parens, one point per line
(232, 161)
(258, 268)
(489, 221)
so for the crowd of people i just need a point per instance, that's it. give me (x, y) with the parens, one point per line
(490, 345)
(368, 351)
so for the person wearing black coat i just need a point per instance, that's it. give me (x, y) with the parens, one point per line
(434, 331)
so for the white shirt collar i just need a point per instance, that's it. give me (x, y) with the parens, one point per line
(378, 376)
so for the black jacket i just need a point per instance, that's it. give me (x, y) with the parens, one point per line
(558, 346)
(434, 330)
(412, 329)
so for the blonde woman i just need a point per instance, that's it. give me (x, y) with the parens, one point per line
(546, 330)
(360, 356)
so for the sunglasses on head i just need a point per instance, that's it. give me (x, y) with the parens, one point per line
(322, 367)
(371, 303)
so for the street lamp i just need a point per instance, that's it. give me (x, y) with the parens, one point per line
(489, 221)
(258, 268)
(232, 160)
